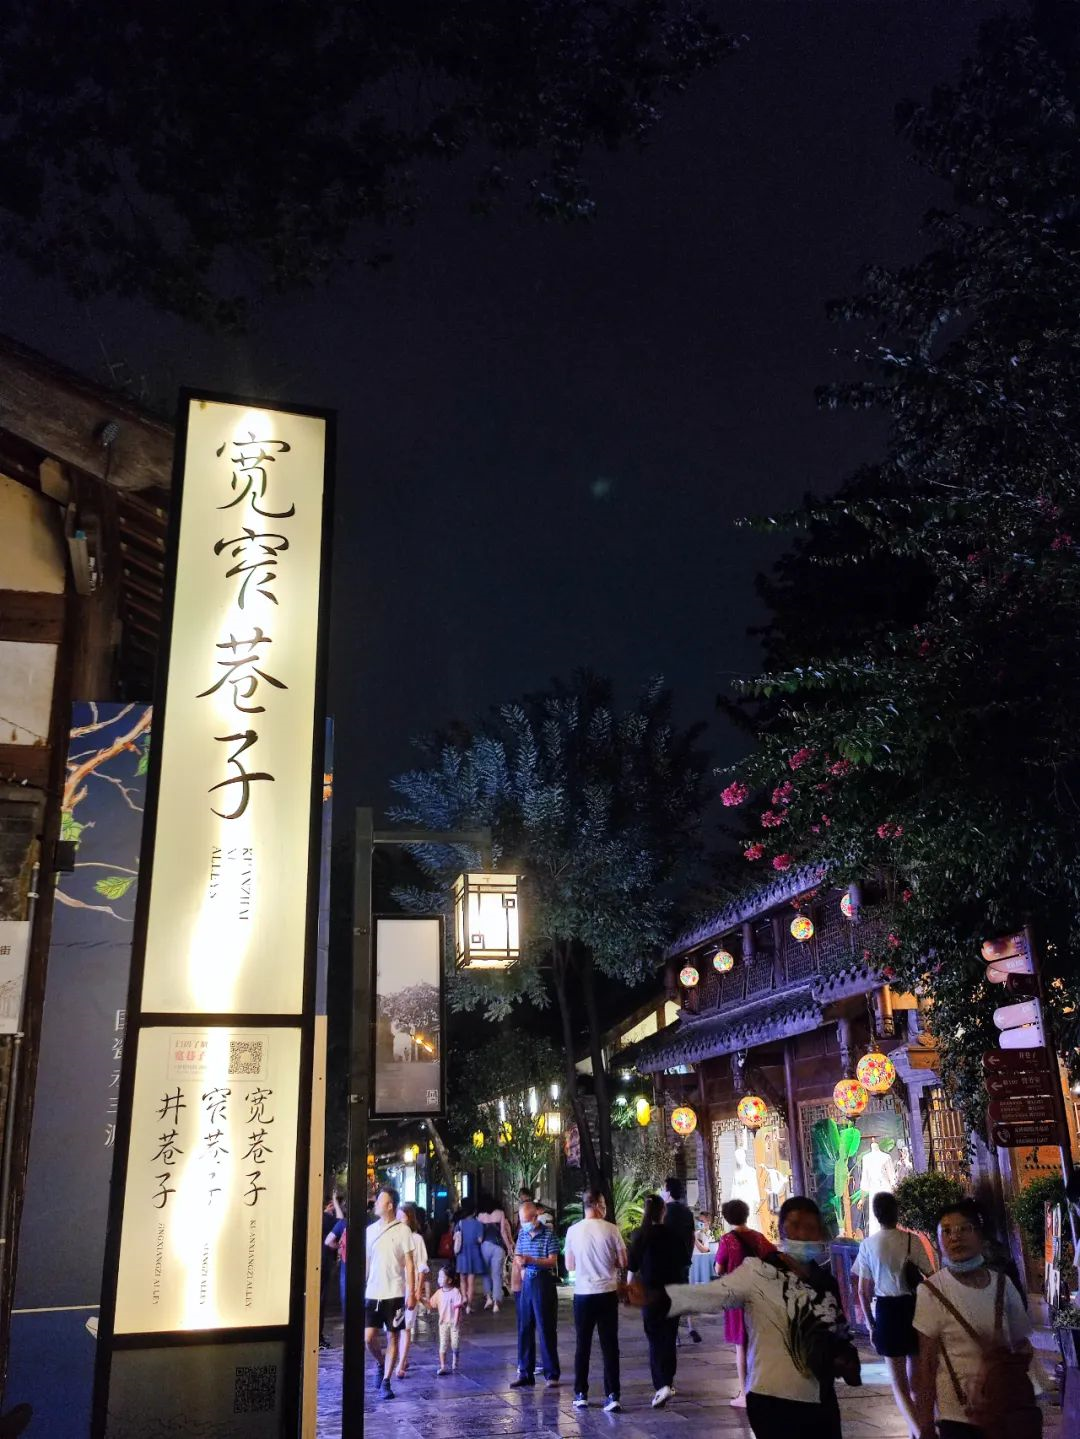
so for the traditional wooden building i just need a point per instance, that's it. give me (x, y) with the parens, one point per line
(84, 476)
(778, 1005)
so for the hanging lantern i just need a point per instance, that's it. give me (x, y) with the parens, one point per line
(876, 1072)
(688, 976)
(683, 1120)
(802, 928)
(723, 961)
(847, 909)
(642, 1111)
(752, 1111)
(850, 1097)
(478, 1139)
(506, 1132)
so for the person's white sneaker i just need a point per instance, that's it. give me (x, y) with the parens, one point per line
(612, 1406)
(580, 1402)
(662, 1395)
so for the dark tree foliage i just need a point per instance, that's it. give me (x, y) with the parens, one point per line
(598, 809)
(919, 723)
(188, 153)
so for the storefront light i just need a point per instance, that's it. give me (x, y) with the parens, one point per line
(486, 921)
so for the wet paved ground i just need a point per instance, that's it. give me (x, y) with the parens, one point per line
(477, 1402)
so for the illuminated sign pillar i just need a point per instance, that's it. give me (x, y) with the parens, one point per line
(203, 1291)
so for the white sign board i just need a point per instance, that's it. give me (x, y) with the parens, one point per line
(206, 1241)
(14, 948)
(227, 920)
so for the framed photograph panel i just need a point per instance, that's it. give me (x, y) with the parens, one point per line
(408, 1065)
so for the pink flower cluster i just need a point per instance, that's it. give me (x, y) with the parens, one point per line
(782, 861)
(753, 850)
(735, 794)
(840, 768)
(890, 830)
(783, 793)
(771, 819)
(799, 758)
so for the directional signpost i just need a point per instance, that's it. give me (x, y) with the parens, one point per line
(1022, 1079)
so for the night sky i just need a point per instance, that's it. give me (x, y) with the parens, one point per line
(546, 432)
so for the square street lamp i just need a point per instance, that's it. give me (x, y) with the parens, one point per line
(486, 921)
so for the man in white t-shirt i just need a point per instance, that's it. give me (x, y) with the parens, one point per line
(955, 1321)
(596, 1256)
(390, 1287)
(887, 1299)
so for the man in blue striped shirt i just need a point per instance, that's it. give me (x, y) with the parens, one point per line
(536, 1260)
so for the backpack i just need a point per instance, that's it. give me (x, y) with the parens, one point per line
(1001, 1399)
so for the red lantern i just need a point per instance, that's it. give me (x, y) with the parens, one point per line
(876, 1072)
(850, 1097)
(683, 1120)
(752, 1111)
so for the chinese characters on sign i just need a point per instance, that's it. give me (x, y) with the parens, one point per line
(210, 1180)
(233, 834)
(116, 1055)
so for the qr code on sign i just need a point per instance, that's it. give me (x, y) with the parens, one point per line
(255, 1390)
(245, 1056)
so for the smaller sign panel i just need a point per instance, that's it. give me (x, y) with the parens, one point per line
(1011, 1136)
(1005, 1086)
(14, 947)
(998, 1061)
(408, 1072)
(208, 1209)
(1023, 1109)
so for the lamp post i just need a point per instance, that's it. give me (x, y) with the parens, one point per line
(479, 933)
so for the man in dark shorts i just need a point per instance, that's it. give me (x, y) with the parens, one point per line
(390, 1288)
(888, 1298)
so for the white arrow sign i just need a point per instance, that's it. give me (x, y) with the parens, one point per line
(999, 971)
(1023, 1036)
(1011, 1016)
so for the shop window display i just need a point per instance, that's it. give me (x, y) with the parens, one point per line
(847, 1161)
(753, 1166)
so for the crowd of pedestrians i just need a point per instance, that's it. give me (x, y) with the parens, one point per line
(955, 1339)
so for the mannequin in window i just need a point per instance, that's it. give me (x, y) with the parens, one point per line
(878, 1173)
(744, 1184)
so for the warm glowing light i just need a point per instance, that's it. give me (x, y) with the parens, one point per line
(506, 1132)
(802, 928)
(723, 960)
(551, 1123)
(850, 1097)
(688, 976)
(752, 1111)
(642, 1110)
(478, 1139)
(683, 1120)
(411, 1153)
(876, 1073)
(486, 921)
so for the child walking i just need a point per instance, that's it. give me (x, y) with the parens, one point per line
(449, 1301)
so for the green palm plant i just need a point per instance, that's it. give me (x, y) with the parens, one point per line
(834, 1150)
(628, 1195)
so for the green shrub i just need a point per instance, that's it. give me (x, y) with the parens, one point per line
(1027, 1208)
(922, 1197)
(629, 1196)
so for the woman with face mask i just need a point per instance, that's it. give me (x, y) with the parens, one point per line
(974, 1346)
(797, 1337)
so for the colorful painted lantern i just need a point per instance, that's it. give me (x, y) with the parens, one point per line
(752, 1111)
(642, 1111)
(723, 961)
(850, 1097)
(683, 1120)
(802, 928)
(876, 1072)
(688, 976)
(847, 909)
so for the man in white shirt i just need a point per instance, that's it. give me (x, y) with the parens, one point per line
(888, 1299)
(596, 1256)
(390, 1287)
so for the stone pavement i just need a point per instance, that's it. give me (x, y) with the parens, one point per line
(477, 1404)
